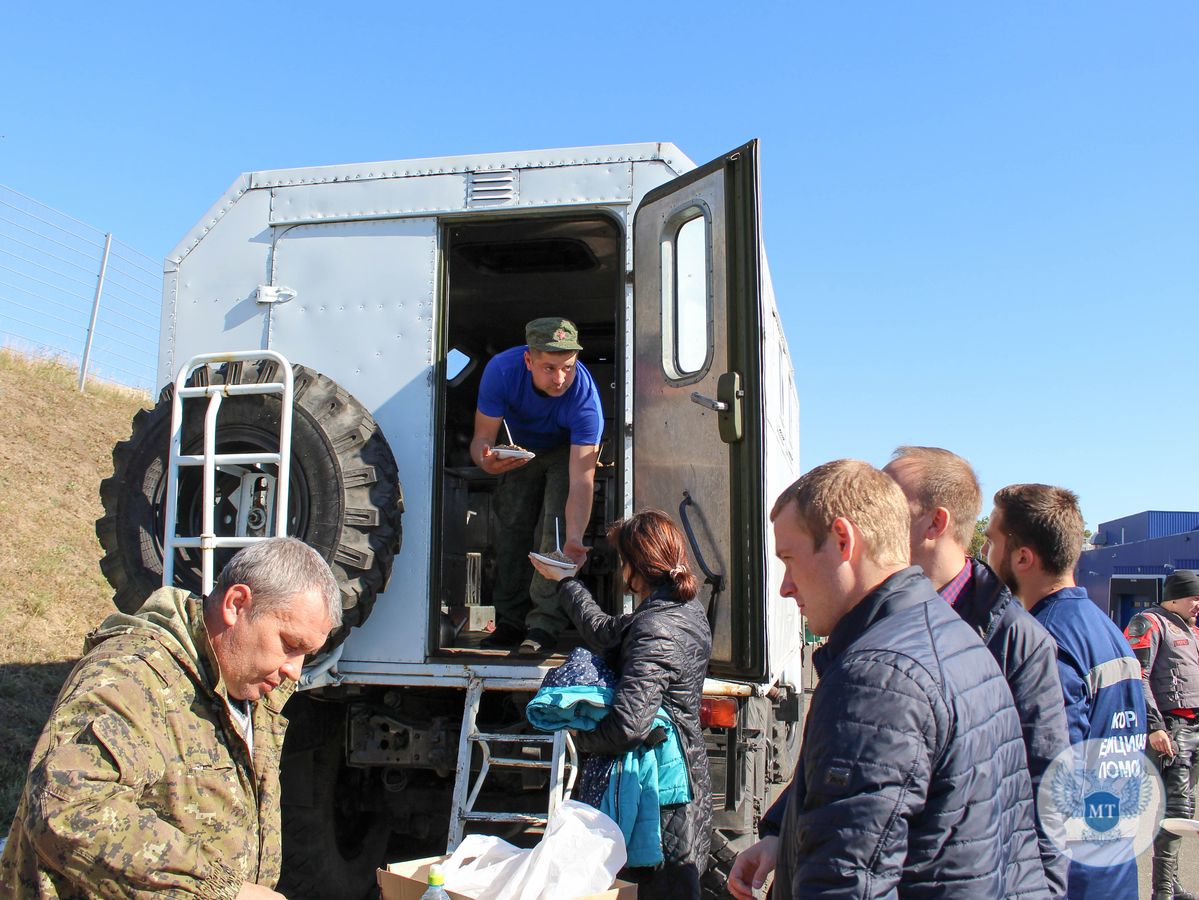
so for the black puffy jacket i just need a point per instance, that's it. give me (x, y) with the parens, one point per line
(1027, 656)
(661, 652)
(912, 779)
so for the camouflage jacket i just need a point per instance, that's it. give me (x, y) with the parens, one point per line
(141, 782)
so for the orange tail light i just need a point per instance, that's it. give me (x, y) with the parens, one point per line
(718, 712)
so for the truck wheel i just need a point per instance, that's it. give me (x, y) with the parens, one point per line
(344, 495)
(331, 844)
(721, 856)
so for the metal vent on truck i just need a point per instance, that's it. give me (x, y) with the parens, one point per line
(494, 187)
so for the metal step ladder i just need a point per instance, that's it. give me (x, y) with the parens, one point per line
(562, 757)
(207, 541)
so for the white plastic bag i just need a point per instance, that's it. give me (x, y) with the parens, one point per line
(482, 865)
(580, 854)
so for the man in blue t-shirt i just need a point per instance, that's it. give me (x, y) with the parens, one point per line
(1034, 539)
(549, 405)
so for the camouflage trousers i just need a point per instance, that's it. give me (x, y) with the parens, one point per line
(526, 502)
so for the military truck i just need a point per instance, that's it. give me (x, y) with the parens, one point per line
(324, 332)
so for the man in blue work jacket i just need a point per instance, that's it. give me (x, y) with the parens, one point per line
(1034, 539)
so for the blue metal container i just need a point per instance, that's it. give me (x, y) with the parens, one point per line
(1162, 524)
(1126, 529)
(1137, 556)
(1146, 526)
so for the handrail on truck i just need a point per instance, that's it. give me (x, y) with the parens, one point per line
(210, 459)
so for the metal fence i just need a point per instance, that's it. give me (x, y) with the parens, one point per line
(69, 290)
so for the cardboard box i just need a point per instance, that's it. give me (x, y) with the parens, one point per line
(408, 880)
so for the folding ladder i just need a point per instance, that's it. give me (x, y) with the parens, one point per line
(207, 541)
(562, 756)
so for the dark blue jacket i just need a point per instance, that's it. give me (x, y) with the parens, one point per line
(1027, 656)
(912, 780)
(1101, 682)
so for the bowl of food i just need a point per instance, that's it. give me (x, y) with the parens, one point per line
(511, 451)
(557, 559)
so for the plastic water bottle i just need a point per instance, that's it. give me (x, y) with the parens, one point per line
(436, 890)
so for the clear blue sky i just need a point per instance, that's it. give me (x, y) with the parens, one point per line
(982, 218)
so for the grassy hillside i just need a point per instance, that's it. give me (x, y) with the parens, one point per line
(55, 447)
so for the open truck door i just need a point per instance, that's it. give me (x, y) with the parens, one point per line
(697, 389)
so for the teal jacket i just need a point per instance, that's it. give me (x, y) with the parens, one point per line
(643, 780)
(575, 707)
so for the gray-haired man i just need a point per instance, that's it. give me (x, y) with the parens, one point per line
(158, 770)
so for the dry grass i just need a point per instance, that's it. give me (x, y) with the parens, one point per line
(55, 447)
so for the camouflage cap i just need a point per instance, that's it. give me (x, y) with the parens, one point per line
(553, 335)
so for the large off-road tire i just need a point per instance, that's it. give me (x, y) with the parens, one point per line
(332, 841)
(721, 856)
(344, 495)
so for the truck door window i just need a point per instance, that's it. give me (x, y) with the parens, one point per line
(686, 316)
(458, 366)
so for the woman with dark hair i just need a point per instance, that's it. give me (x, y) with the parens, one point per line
(661, 652)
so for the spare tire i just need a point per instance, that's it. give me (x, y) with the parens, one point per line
(344, 495)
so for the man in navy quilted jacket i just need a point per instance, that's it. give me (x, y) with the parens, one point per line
(912, 780)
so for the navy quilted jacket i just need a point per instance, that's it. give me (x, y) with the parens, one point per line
(912, 780)
(1027, 656)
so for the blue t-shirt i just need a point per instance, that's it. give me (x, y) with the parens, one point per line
(537, 421)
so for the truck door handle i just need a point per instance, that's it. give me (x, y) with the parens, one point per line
(714, 405)
(713, 578)
(728, 406)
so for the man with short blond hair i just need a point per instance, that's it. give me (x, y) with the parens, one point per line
(903, 787)
(1034, 539)
(857, 491)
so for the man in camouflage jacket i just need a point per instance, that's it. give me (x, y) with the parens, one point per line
(158, 770)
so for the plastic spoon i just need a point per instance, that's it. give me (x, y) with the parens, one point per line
(509, 433)
(557, 540)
